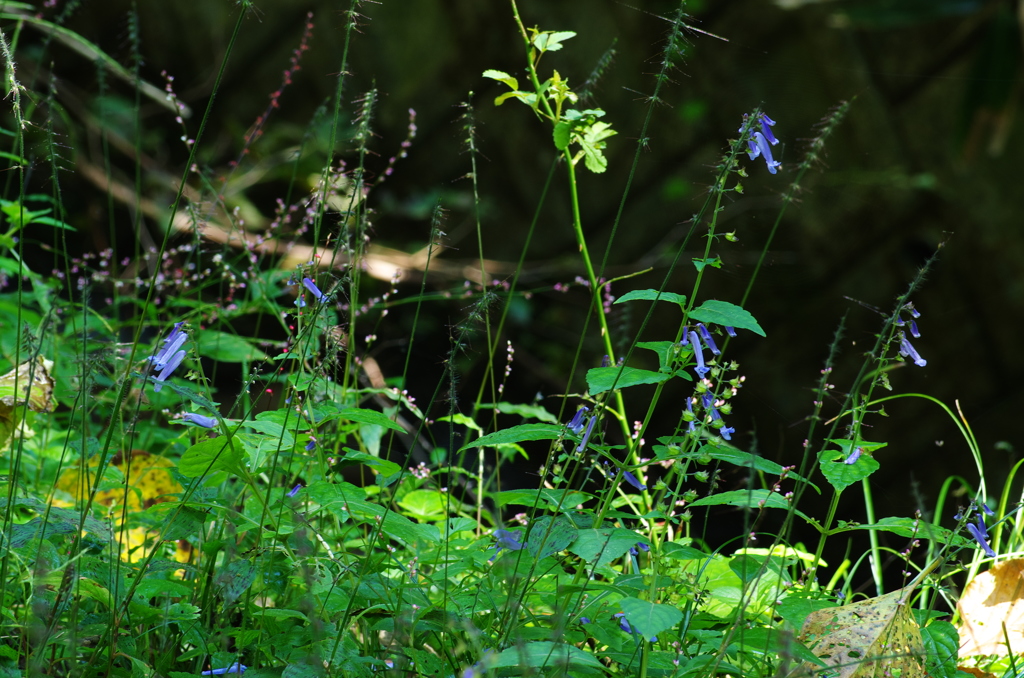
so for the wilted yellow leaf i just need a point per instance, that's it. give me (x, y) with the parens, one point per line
(28, 385)
(868, 639)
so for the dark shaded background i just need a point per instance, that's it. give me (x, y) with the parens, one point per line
(929, 153)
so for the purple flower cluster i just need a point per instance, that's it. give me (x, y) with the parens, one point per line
(978, 529)
(906, 349)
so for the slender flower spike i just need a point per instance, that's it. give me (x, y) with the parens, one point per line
(631, 479)
(314, 290)
(982, 540)
(586, 436)
(908, 351)
(854, 456)
(708, 339)
(234, 668)
(576, 425)
(199, 420)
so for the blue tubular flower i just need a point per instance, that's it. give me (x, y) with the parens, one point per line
(707, 338)
(759, 145)
(576, 425)
(584, 620)
(643, 547)
(913, 329)
(507, 540)
(907, 351)
(174, 341)
(586, 436)
(698, 353)
(766, 129)
(234, 668)
(311, 445)
(726, 432)
(631, 479)
(854, 456)
(981, 538)
(168, 368)
(314, 290)
(731, 331)
(623, 624)
(984, 507)
(294, 491)
(981, 526)
(199, 420)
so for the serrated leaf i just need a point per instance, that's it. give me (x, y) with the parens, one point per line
(601, 379)
(727, 315)
(941, 646)
(841, 475)
(652, 295)
(650, 619)
(561, 135)
(364, 416)
(518, 434)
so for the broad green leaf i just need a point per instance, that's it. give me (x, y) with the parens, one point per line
(347, 501)
(364, 416)
(501, 76)
(772, 643)
(913, 528)
(652, 295)
(462, 420)
(941, 646)
(518, 434)
(382, 466)
(749, 499)
(650, 619)
(713, 262)
(213, 454)
(226, 347)
(524, 411)
(551, 41)
(682, 551)
(561, 135)
(550, 535)
(727, 315)
(554, 658)
(601, 379)
(565, 499)
(605, 544)
(425, 504)
(665, 351)
(731, 455)
(840, 474)
(795, 608)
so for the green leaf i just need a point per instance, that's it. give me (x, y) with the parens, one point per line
(382, 466)
(601, 379)
(502, 76)
(713, 262)
(749, 499)
(566, 499)
(726, 314)
(186, 392)
(518, 434)
(841, 475)
(226, 347)
(551, 41)
(650, 619)
(364, 416)
(554, 658)
(213, 454)
(550, 535)
(49, 221)
(914, 528)
(347, 501)
(605, 544)
(425, 504)
(652, 295)
(462, 420)
(525, 411)
(941, 648)
(561, 135)
(664, 349)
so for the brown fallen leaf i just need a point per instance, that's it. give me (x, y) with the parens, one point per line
(991, 600)
(28, 385)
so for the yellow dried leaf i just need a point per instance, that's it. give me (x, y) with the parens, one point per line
(28, 385)
(990, 601)
(868, 639)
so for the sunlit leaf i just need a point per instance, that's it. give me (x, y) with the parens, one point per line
(727, 315)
